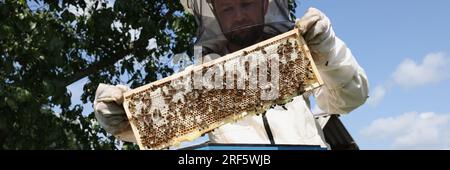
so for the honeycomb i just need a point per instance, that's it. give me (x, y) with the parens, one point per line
(250, 81)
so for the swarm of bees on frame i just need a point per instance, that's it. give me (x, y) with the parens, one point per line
(171, 112)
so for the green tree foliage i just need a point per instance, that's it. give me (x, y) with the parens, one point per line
(46, 46)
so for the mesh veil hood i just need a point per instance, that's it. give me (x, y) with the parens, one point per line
(209, 34)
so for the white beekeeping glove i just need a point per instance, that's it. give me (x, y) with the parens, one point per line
(318, 33)
(109, 111)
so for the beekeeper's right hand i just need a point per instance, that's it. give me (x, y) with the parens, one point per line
(109, 111)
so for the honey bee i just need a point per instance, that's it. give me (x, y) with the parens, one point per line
(263, 51)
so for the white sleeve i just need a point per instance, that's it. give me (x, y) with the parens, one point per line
(345, 82)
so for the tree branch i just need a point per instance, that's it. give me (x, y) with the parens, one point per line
(95, 67)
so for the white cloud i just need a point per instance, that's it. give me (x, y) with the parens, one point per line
(377, 95)
(434, 68)
(411, 130)
(409, 74)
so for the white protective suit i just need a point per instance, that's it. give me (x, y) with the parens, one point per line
(346, 84)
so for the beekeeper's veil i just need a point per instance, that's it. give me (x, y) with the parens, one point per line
(213, 37)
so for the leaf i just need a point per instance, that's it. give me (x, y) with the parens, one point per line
(55, 48)
(12, 104)
(32, 25)
(82, 4)
(56, 44)
(23, 27)
(22, 95)
(68, 16)
(22, 2)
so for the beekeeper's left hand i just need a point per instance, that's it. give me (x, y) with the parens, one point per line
(318, 33)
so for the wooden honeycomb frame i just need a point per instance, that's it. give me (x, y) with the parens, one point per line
(161, 117)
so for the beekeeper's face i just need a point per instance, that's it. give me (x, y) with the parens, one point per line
(242, 21)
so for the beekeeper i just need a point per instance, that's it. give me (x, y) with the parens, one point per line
(226, 26)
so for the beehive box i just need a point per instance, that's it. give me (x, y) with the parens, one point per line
(186, 105)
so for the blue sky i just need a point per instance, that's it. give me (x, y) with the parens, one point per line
(404, 47)
(390, 40)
